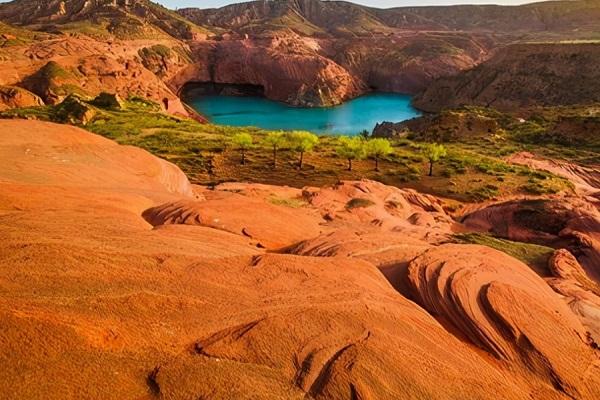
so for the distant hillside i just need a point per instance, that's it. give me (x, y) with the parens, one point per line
(544, 17)
(121, 18)
(522, 75)
(309, 17)
(315, 17)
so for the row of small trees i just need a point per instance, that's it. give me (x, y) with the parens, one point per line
(358, 148)
(349, 148)
(298, 141)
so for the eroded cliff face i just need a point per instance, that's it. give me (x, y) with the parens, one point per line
(520, 76)
(56, 67)
(305, 54)
(286, 67)
(307, 71)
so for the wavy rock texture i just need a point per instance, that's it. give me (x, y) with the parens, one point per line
(489, 298)
(228, 211)
(95, 302)
(570, 222)
(581, 292)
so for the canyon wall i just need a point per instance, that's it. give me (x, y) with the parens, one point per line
(522, 75)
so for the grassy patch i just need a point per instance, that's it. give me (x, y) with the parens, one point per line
(533, 255)
(291, 203)
(359, 203)
(470, 172)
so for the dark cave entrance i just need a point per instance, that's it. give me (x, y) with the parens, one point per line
(194, 89)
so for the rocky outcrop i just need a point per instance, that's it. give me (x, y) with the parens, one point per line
(489, 297)
(16, 97)
(408, 62)
(520, 76)
(304, 77)
(571, 222)
(73, 110)
(53, 69)
(446, 126)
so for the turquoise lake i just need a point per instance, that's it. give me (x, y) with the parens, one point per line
(349, 118)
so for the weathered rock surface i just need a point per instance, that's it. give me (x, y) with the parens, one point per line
(304, 77)
(196, 310)
(57, 67)
(582, 294)
(585, 179)
(570, 222)
(15, 97)
(489, 299)
(522, 75)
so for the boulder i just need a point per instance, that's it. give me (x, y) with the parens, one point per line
(16, 97)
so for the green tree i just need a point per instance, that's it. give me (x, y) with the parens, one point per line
(243, 142)
(275, 140)
(302, 142)
(377, 148)
(434, 152)
(350, 149)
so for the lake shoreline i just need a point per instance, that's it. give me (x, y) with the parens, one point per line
(349, 118)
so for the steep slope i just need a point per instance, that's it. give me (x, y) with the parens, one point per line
(53, 68)
(573, 18)
(309, 17)
(122, 18)
(522, 75)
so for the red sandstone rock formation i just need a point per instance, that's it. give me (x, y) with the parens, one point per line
(304, 77)
(191, 307)
(15, 97)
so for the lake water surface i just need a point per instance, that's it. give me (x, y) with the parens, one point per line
(349, 118)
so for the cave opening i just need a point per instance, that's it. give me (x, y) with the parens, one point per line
(194, 89)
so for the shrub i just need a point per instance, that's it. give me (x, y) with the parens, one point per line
(358, 203)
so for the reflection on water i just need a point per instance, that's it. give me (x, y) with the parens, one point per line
(348, 118)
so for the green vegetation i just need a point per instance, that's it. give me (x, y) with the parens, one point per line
(358, 203)
(291, 203)
(242, 141)
(471, 171)
(302, 142)
(531, 254)
(275, 140)
(434, 152)
(378, 148)
(351, 149)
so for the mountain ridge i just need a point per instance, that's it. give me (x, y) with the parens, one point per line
(341, 16)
